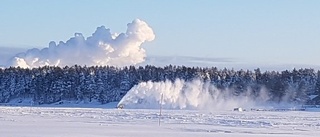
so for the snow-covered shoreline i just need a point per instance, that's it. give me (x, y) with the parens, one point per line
(97, 122)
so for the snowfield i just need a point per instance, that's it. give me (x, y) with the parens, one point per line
(110, 122)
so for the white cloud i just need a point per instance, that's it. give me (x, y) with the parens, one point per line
(102, 48)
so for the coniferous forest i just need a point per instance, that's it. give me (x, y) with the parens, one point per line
(46, 85)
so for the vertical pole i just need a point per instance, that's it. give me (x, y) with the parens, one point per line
(31, 103)
(161, 98)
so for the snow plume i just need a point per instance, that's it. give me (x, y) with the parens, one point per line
(188, 95)
(102, 48)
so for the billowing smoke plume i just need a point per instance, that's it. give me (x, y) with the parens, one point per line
(102, 48)
(188, 95)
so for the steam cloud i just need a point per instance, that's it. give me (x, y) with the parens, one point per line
(102, 48)
(188, 95)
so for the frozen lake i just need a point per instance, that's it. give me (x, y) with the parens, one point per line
(103, 122)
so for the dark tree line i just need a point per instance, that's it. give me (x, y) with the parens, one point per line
(46, 85)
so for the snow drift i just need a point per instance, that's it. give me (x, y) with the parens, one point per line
(102, 48)
(188, 95)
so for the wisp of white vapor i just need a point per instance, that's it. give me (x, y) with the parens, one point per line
(102, 48)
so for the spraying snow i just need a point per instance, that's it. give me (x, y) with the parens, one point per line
(102, 48)
(180, 94)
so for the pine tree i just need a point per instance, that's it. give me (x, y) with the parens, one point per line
(317, 87)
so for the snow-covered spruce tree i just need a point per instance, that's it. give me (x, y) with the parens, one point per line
(45, 85)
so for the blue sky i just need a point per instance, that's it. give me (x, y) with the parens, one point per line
(255, 31)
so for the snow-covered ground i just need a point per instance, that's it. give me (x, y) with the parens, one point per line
(17, 121)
